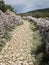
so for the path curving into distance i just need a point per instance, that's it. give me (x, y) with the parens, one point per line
(18, 50)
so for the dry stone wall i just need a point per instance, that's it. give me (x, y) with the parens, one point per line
(8, 19)
(43, 24)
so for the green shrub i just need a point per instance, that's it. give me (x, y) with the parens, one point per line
(9, 7)
(2, 44)
(33, 26)
(37, 13)
(4, 7)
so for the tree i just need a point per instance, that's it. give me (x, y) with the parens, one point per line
(10, 7)
(4, 7)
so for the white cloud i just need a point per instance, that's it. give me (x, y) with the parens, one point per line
(29, 4)
(25, 2)
(14, 2)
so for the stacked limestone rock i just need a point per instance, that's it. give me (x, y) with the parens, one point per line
(12, 18)
(44, 29)
(43, 24)
(8, 19)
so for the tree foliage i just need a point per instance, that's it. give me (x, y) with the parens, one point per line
(38, 13)
(4, 7)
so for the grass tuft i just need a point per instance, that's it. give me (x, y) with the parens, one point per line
(38, 46)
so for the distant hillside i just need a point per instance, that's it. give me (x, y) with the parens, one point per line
(37, 13)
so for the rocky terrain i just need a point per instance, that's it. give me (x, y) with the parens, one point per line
(17, 50)
(43, 25)
(8, 19)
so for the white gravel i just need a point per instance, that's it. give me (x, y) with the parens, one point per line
(18, 50)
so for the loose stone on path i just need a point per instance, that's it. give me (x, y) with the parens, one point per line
(18, 49)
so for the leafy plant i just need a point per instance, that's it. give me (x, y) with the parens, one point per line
(4, 7)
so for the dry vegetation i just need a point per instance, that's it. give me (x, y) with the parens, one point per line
(38, 46)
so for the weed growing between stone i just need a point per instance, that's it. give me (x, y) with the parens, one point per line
(38, 46)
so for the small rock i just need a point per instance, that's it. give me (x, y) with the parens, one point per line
(2, 64)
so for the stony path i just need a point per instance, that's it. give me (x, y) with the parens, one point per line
(17, 51)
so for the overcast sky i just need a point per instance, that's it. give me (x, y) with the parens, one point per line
(26, 5)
